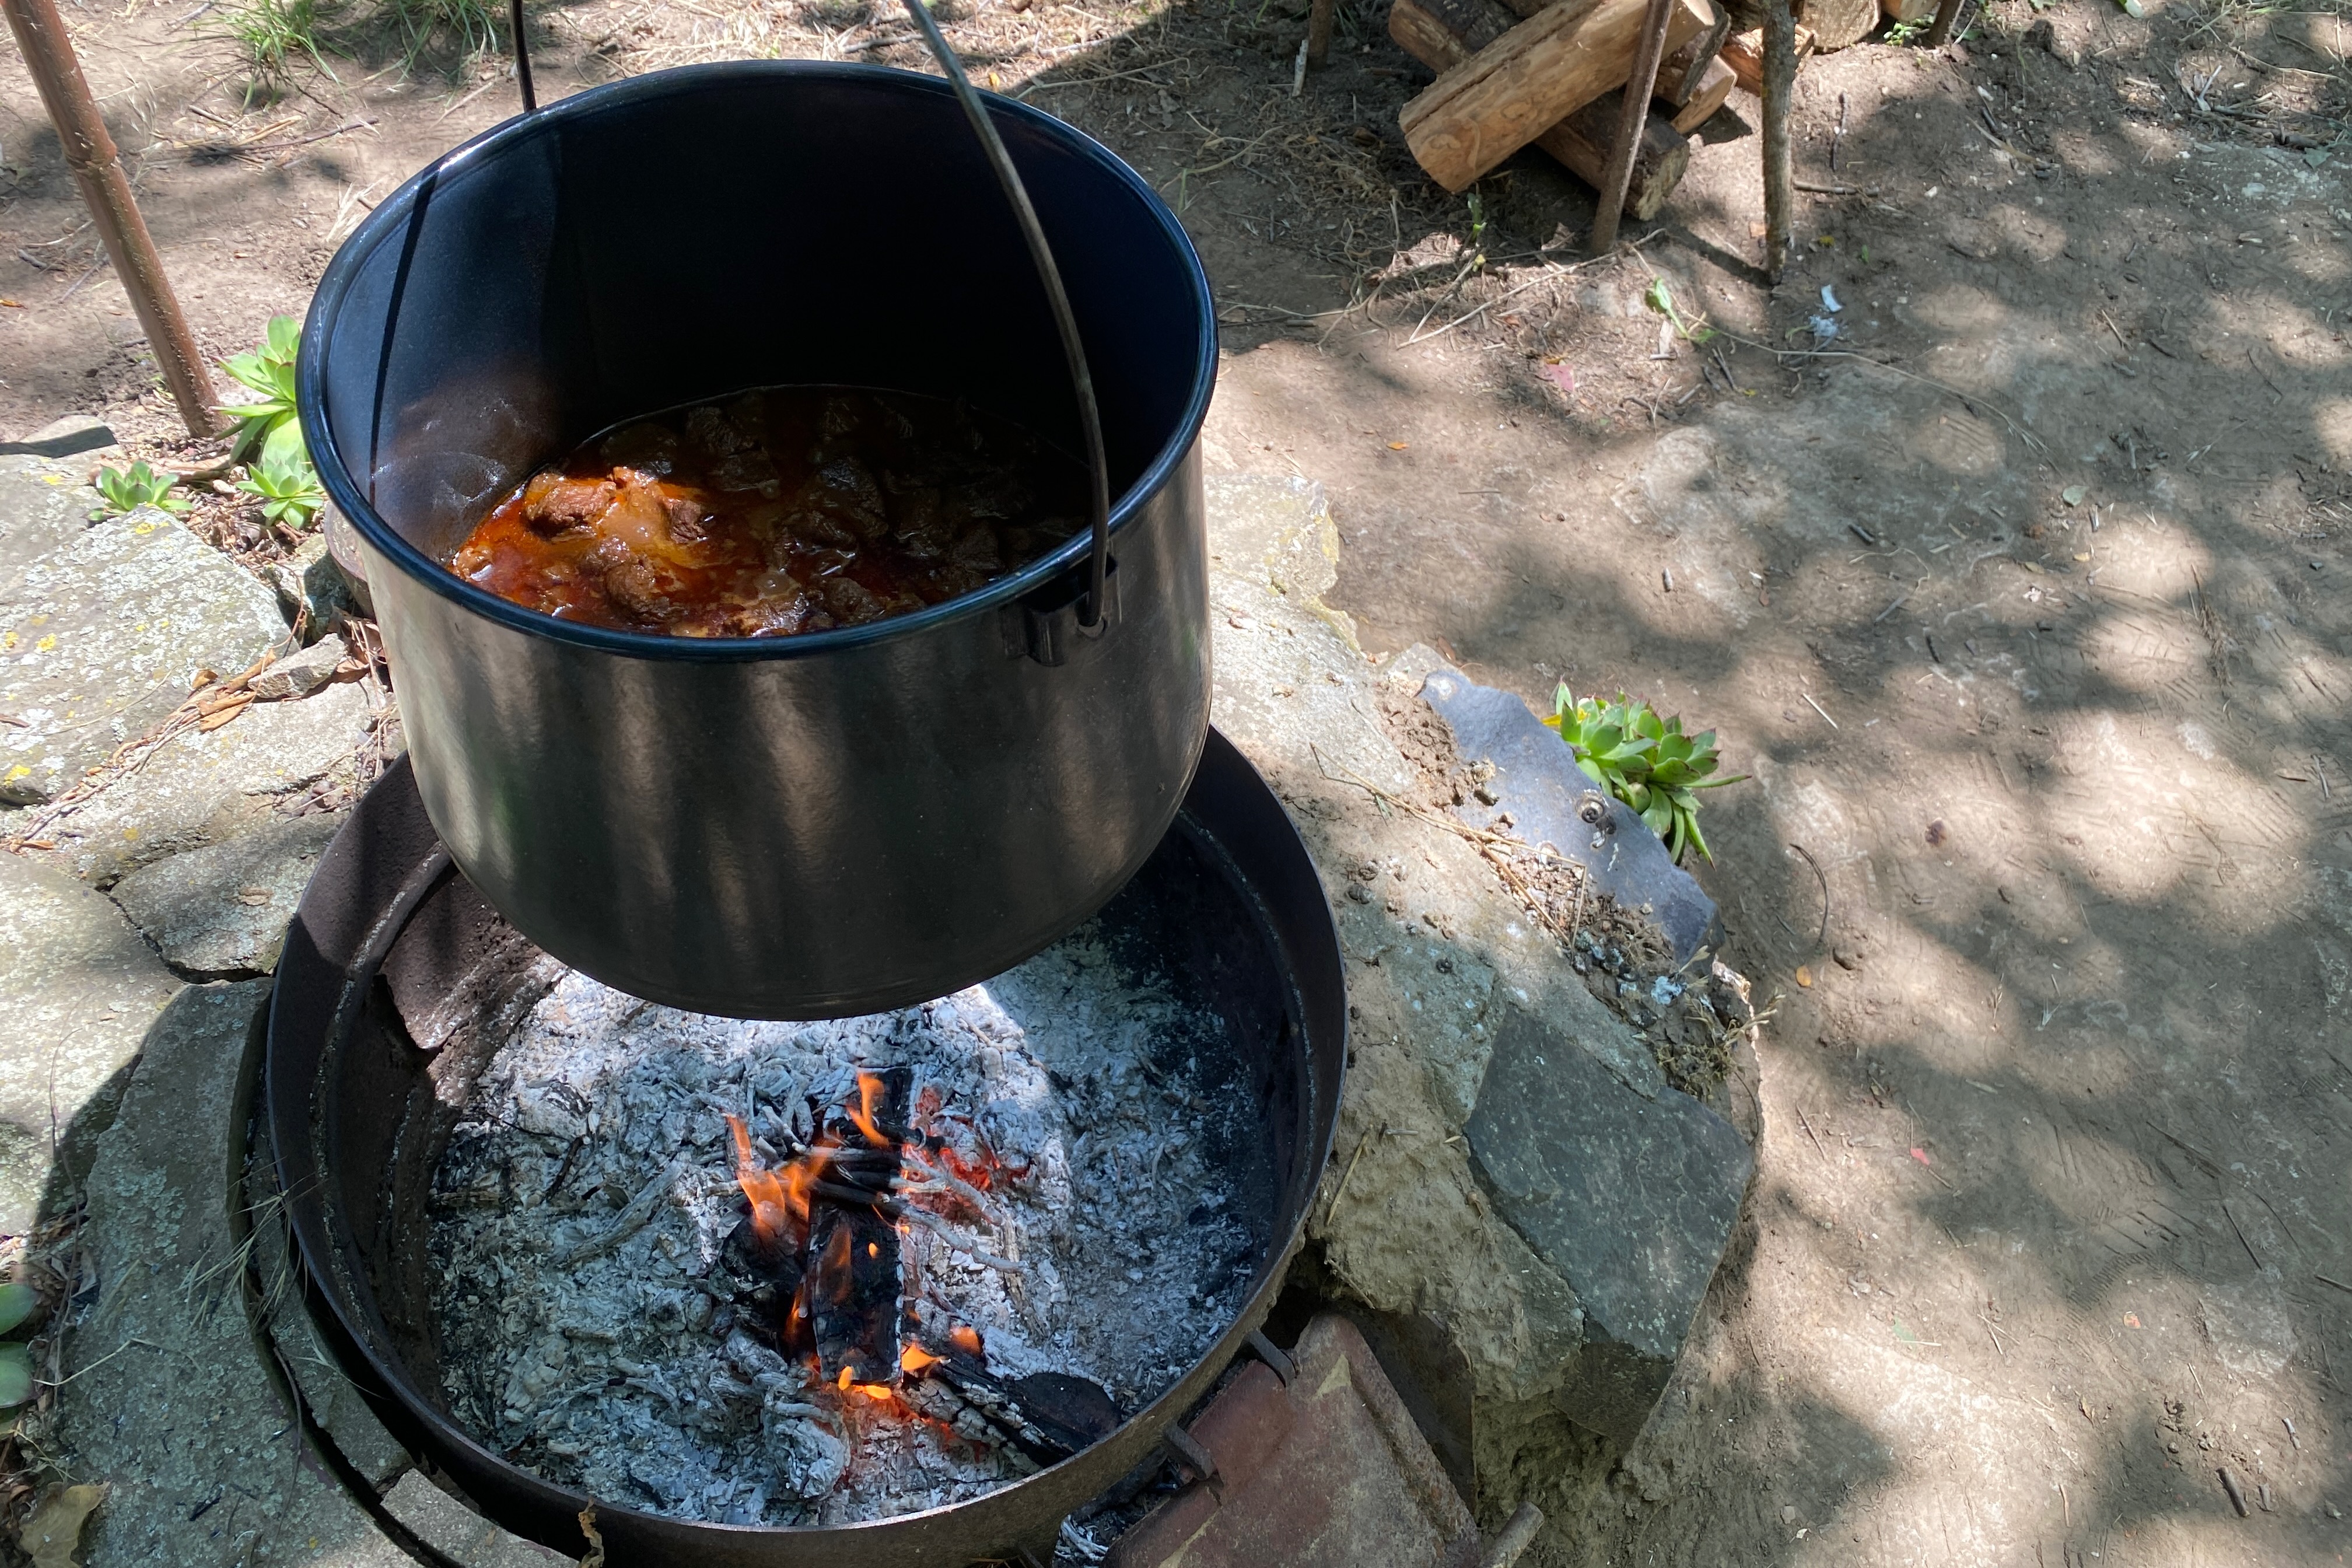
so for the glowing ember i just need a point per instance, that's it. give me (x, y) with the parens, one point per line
(914, 1358)
(966, 1338)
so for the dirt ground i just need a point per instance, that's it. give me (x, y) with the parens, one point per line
(2023, 597)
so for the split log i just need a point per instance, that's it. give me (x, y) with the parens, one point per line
(852, 1287)
(1679, 72)
(1712, 90)
(1684, 70)
(1907, 10)
(1744, 53)
(1441, 34)
(1517, 87)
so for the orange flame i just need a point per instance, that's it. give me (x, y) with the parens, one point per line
(843, 1383)
(775, 1203)
(869, 1094)
(880, 1393)
(914, 1358)
(832, 1269)
(966, 1338)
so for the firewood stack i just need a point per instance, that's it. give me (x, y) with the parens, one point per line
(1552, 73)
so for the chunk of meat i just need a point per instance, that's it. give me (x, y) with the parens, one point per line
(643, 517)
(851, 602)
(555, 502)
(648, 446)
(712, 431)
(843, 489)
(637, 586)
(689, 520)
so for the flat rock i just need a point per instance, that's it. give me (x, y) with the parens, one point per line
(169, 1400)
(460, 1534)
(80, 989)
(208, 787)
(221, 910)
(1631, 1196)
(45, 505)
(1539, 787)
(102, 637)
(301, 674)
(1439, 958)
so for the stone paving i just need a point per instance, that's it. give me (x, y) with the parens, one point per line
(142, 906)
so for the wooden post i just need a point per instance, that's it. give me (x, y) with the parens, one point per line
(1780, 80)
(1638, 87)
(1319, 32)
(98, 169)
(1947, 17)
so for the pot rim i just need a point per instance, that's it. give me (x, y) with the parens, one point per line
(385, 222)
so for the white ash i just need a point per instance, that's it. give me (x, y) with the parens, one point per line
(590, 1335)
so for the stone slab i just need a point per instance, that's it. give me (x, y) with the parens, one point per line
(1549, 801)
(1326, 1472)
(208, 787)
(45, 505)
(1632, 1197)
(221, 911)
(79, 990)
(169, 1400)
(100, 640)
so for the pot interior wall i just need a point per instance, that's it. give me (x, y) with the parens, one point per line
(696, 232)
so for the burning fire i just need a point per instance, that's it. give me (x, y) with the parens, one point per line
(779, 1199)
(914, 1358)
(869, 1090)
(966, 1338)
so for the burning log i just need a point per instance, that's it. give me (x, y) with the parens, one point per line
(852, 1288)
(1512, 90)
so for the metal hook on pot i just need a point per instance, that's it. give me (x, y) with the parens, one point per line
(1066, 320)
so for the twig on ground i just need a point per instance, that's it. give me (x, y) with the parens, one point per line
(1821, 939)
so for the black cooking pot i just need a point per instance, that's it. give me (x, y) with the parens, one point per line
(801, 827)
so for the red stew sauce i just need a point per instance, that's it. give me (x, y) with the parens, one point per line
(782, 510)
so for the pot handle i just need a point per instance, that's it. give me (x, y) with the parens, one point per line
(1066, 320)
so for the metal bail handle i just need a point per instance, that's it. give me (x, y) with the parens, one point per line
(1016, 194)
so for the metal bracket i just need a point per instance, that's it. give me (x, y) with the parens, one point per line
(1276, 1361)
(1189, 1452)
(1052, 629)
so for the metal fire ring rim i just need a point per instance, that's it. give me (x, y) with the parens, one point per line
(382, 225)
(389, 1376)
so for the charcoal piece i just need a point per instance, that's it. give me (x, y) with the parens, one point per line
(1071, 1409)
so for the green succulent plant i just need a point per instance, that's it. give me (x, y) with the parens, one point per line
(17, 1304)
(1644, 759)
(139, 486)
(266, 427)
(289, 488)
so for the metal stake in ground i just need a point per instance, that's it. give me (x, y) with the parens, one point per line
(98, 170)
(1630, 126)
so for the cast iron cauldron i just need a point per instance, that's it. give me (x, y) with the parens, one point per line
(801, 827)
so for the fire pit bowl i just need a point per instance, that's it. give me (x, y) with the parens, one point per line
(801, 827)
(388, 938)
